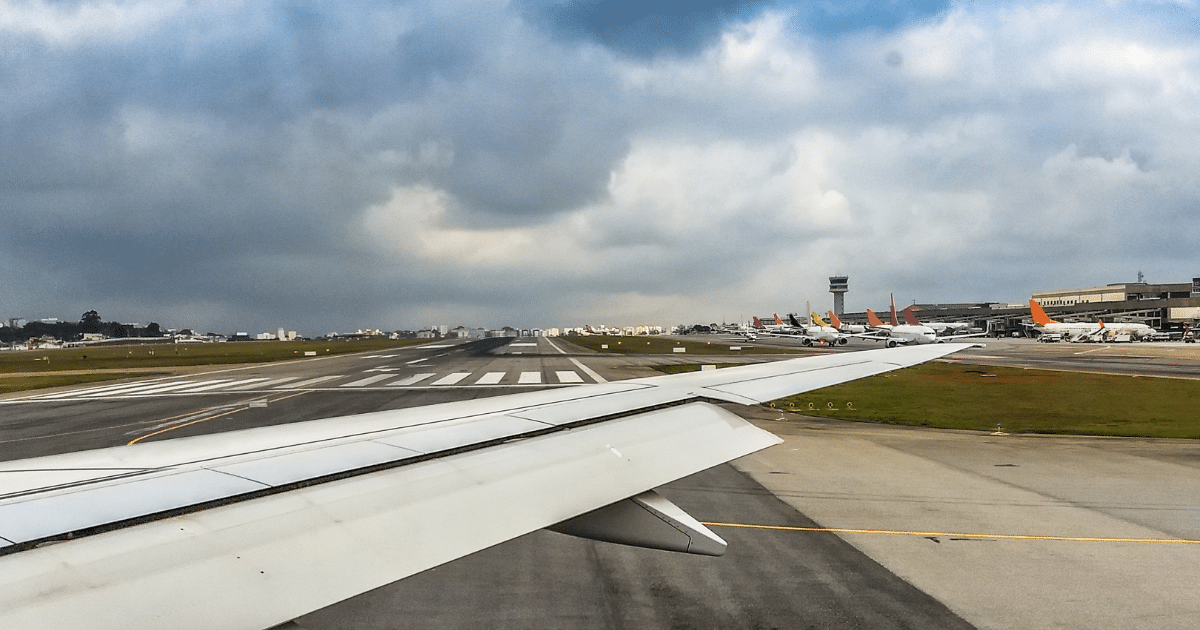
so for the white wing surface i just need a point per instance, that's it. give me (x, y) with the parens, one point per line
(252, 528)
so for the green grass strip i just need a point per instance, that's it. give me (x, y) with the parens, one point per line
(960, 396)
(155, 355)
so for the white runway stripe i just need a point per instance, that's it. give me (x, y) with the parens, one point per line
(367, 381)
(144, 389)
(266, 384)
(85, 391)
(311, 381)
(491, 378)
(207, 385)
(452, 379)
(568, 376)
(412, 380)
(530, 378)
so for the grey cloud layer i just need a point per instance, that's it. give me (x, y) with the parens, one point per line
(399, 165)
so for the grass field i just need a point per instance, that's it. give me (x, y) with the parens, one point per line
(959, 396)
(26, 370)
(660, 345)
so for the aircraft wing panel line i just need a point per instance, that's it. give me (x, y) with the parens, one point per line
(358, 533)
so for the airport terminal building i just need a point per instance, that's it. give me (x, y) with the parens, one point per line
(1164, 307)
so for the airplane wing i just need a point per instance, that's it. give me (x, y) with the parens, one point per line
(253, 528)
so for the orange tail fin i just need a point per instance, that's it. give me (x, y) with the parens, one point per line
(873, 319)
(778, 321)
(1039, 315)
(833, 319)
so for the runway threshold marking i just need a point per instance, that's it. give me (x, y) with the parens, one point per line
(892, 532)
(205, 419)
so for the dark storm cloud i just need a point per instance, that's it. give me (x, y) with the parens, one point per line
(390, 164)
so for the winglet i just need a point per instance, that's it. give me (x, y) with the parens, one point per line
(873, 319)
(1039, 315)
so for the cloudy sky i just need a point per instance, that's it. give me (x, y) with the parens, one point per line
(328, 166)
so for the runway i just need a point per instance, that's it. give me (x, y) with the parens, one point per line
(828, 474)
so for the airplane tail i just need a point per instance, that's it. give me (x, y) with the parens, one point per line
(817, 320)
(758, 323)
(793, 321)
(909, 318)
(834, 321)
(873, 319)
(895, 322)
(1039, 315)
(778, 322)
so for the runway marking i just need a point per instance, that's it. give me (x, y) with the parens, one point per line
(412, 380)
(523, 345)
(530, 378)
(205, 419)
(225, 382)
(892, 532)
(311, 381)
(491, 378)
(416, 361)
(380, 356)
(367, 381)
(141, 390)
(568, 376)
(452, 379)
(586, 370)
(89, 390)
(278, 381)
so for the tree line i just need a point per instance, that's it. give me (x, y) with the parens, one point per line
(89, 323)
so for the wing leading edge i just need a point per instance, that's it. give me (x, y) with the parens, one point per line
(279, 521)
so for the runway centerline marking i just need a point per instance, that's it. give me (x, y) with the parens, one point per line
(893, 532)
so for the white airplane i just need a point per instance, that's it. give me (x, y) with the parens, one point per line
(910, 318)
(1087, 331)
(897, 334)
(819, 331)
(253, 528)
(1083, 331)
(853, 329)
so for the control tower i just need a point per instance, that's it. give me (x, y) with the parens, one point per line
(838, 286)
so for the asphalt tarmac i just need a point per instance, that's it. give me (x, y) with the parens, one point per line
(954, 486)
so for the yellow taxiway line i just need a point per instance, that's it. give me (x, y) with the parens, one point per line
(891, 532)
(205, 419)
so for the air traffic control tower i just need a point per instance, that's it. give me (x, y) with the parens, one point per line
(838, 286)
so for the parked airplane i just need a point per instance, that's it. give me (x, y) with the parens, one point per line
(253, 528)
(1082, 331)
(907, 333)
(910, 318)
(817, 332)
(852, 329)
